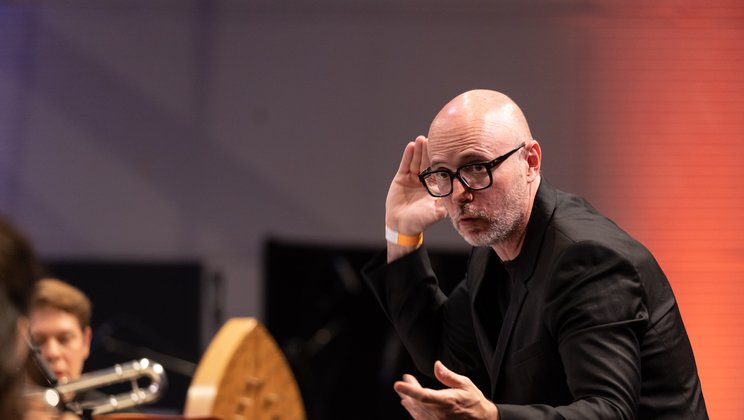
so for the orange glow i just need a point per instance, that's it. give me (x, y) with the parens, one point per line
(668, 95)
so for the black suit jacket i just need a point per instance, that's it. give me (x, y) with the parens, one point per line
(592, 329)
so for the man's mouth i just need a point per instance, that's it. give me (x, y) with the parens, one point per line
(467, 214)
(467, 220)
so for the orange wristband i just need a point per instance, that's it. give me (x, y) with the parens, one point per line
(404, 240)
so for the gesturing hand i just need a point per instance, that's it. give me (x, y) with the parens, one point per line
(461, 400)
(409, 209)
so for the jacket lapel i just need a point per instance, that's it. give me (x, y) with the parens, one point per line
(475, 275)
(510, 318)
(542, 211)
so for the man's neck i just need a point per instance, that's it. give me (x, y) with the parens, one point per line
(510, 249)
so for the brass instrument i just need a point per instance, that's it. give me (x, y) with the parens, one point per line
(242, 375)
(129, 371)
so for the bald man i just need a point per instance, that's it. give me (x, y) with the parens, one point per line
(561, 315)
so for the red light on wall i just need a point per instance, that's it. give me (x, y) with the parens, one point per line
(668, 92)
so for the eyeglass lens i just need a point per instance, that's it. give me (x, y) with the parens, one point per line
(474, 176)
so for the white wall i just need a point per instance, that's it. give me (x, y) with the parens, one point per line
(176, 129)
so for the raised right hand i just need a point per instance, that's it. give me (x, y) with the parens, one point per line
(409, 209)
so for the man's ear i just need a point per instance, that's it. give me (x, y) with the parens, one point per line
(87, 336)
(534, 160)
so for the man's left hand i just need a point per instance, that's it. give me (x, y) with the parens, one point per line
(461, 400)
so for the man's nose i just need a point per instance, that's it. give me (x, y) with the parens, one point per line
(460, 193)
(50, 350)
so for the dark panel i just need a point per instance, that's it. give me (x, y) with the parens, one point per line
(339, 343)
(142, 310)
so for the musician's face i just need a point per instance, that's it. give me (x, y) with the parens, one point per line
(64, 344)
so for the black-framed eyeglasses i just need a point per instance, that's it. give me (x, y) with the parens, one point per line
(473, 176)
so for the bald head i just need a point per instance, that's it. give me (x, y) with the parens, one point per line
(483, 129)
(485, 113)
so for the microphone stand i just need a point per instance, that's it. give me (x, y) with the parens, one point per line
(44, 377)
(43, 372)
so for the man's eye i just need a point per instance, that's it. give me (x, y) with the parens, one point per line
(441, 175)
(477, 168)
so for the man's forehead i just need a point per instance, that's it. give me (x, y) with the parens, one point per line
(469, 146)
(456, 156)
(48, 315)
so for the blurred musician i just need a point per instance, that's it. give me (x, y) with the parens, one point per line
(59, 324)
(19, 271)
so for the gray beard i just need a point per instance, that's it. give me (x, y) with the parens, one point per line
(503, 224)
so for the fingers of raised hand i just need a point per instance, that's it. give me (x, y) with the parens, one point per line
(425, 163)
(405, 161)
(420, 159)
(415, 158)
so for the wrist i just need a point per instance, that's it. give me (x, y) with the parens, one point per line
(399, 244)
(495, 412)
(402, 239)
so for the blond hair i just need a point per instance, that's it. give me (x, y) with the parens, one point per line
(60, 295)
